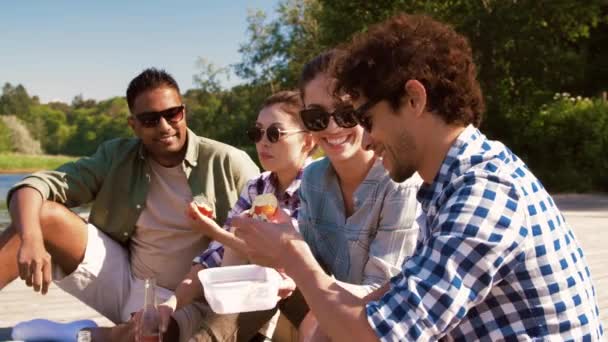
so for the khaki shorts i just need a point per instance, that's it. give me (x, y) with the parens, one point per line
(104, 281)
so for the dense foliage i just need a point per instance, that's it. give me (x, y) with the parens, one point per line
(527, 51)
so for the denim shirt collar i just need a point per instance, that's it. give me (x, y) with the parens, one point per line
(371, 180)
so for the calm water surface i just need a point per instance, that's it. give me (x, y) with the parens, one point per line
(6, 182)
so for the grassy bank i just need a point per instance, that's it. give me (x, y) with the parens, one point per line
(24, 163)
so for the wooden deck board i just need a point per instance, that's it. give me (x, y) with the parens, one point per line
(588, 214)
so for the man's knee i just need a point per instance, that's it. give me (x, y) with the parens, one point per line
(55, 216)
(52, 214)
(57, 222)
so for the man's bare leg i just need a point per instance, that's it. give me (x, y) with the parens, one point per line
(65, 239)
(9, 244)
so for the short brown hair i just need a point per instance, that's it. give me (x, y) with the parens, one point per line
(378, 63)
(290, 102)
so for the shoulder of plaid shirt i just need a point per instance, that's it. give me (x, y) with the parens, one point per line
(485, 242)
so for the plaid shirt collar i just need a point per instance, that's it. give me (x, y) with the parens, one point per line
(465, 145)
(270, 183)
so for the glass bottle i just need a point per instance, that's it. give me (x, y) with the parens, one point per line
(150, 331)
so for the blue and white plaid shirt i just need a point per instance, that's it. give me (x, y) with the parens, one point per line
(495, 262)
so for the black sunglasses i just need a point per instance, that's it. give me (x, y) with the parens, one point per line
(363, 117)
(273, 133)
(172, 115)
(317, 119)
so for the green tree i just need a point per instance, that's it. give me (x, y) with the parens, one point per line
(526, 50)
(51, 128)
(276, 49)
(209, 75)
(5, 138)
(79, 102)
(14, 100)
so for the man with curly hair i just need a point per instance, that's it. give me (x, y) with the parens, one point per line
(495, 260)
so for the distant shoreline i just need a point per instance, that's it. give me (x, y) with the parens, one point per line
(16, 171)
(12, 163)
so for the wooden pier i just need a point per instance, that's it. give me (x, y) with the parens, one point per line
(587, 214)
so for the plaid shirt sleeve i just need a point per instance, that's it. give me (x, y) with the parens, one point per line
(475, 239)
(213, 255)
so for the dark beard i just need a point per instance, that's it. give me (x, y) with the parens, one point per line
(401, 174)
(402, 170)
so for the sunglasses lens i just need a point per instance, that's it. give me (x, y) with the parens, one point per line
(315, 119)
(149, 119)
(273, 134)
(344, 117)
(174, 115)
(254, 134)
(171, 115)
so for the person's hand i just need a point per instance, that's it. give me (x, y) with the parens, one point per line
(310, 330)
(202, 223)
(286, 286)
(265, 241)
(164, 312)
(35, 264)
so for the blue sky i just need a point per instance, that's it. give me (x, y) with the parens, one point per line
(59, 49)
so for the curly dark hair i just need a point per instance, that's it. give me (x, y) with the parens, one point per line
(377, 64)
(149, 79)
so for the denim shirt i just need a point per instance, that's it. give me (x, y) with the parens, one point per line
(369, 246)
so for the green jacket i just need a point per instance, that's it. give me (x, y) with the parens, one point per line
(116, 179)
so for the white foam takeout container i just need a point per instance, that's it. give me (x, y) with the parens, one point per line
(233, 289)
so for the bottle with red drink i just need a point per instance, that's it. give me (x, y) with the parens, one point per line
(150, 321)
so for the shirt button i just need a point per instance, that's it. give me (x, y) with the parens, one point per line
(125, 234)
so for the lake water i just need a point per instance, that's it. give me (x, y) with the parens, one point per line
(6, 182)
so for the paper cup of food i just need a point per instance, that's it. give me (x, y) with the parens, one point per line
(245, 288)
